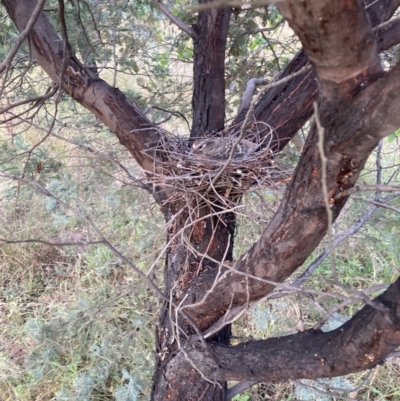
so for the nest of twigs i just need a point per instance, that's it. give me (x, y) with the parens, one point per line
(219, 180)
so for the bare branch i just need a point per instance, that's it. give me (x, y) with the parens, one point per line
(386, 24)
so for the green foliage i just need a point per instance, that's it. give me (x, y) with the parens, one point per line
(393, 136)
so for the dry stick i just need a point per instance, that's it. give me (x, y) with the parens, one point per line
(37, 99)
(88, 148)
(385, 24)
(250, 113)
(321, 257)
(188, 225)
(324, 160)
(357, 295)
(150, 282)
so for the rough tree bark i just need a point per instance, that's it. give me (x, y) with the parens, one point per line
(359, 104)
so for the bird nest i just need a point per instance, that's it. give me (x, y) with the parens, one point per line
(219, 180)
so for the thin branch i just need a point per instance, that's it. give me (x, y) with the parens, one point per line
(22, 36)
(385, 24)
(38, 99)
(180, 24)
(249, 91)
(88, 148)
(115, 251)
(359, 188)
(174, 113)
(343, 304)
(322, 256)
(380, 204)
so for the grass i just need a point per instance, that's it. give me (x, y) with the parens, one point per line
(76, 324)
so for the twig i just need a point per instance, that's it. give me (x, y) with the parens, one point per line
(346, 302)
(117, 253)
(337, 240)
